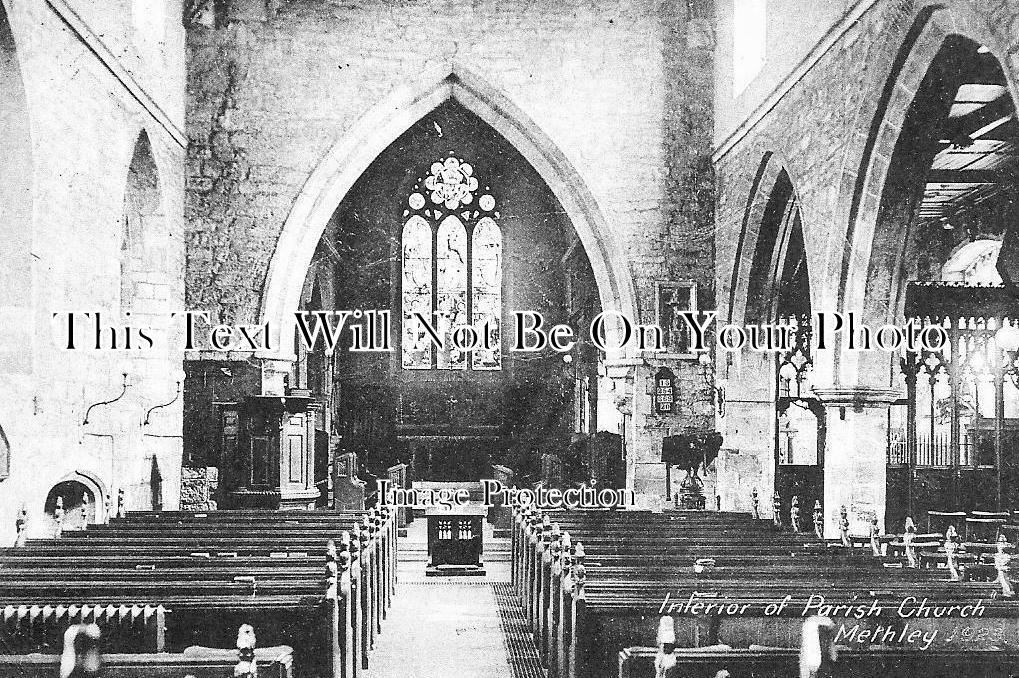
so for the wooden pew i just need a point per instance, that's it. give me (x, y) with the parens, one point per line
(817, 654)
(627, 591)
(247, 579)
(83, 659)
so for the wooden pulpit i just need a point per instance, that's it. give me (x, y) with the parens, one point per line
(455, 541)
(269, 458)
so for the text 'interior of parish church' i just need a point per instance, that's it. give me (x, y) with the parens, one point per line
(509, 338)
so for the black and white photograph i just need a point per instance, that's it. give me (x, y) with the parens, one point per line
(509, 338)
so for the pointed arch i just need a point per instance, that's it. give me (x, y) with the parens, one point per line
(864, 187)
(373, 133)
(880, 185)
(771, 222)
(142, 212)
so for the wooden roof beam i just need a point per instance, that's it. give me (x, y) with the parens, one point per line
(954, 176)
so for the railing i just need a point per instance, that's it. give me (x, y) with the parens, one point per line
(933, 452)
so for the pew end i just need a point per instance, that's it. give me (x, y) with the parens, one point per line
(80, 657)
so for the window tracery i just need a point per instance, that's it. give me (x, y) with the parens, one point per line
(451, 270)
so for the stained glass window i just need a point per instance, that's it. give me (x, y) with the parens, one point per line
(417, 292)
(451, 292)
(487, 292)
(445, 255)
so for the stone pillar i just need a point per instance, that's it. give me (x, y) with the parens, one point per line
(642, 433)
(855, 455)
(747, 460)
(644, 429)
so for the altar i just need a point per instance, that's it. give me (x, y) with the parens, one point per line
(455, 540)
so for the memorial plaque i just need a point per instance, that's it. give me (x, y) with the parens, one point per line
(664, 395)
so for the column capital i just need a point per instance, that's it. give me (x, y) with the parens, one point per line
(622, 368)
(858, 396)
(274, 372)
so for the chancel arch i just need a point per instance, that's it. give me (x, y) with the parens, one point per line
(350, 157)
(759, 247)
(942, 198)
(452, 230)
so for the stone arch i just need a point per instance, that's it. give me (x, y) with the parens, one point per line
(771, 260)
(864, 187)
(933, 25)
(373, 133)
(142, 213)
(72, 487)
(773, 188)
(774, 219)
(16, 205)
(771, 284)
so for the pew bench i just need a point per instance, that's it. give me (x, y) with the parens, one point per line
(584, 604)
(639, 662)
(156, 583)
(273, 662)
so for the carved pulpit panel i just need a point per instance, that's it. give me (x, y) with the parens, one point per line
(268, 448)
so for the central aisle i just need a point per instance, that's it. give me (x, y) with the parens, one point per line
(447, 629)
(462, 627)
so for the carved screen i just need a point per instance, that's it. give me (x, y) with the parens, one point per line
(417, 292)
(487, 292)
(451, 297)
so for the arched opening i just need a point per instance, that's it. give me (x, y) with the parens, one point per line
(778, 293)
(946, 203)
(142, 217)
(345, 163)
(452, 225)
(70, 495)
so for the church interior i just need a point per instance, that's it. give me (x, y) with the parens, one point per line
(263, 259)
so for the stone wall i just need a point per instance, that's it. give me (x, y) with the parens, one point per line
(622, 91)
(833, 132)
(85, 115)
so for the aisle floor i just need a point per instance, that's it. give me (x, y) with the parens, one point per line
(461, 627)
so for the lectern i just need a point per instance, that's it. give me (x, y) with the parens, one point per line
(269, 460)
(455, 542)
